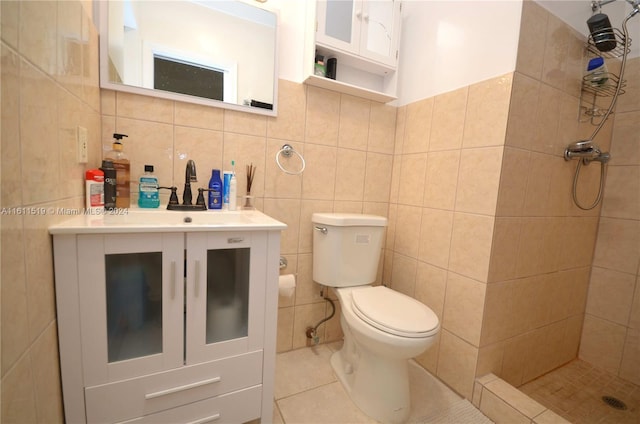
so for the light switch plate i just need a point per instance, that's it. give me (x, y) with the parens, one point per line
(83, 145)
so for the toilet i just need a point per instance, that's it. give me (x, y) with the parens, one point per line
(382, 328)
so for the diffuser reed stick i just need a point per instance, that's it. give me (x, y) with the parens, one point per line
(251, 172)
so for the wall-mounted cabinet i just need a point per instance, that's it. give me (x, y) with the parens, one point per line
(363, 36)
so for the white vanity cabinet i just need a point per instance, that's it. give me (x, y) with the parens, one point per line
(167, 326)
(364, 36)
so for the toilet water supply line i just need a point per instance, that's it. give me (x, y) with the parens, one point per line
(312, 332)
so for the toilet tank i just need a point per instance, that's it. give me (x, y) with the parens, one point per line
(346, 248)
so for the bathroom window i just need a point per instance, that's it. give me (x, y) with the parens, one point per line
(188, 78)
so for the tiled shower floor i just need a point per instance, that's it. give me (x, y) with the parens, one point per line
(575, 392)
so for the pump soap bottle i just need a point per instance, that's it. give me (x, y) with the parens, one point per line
(122, 166)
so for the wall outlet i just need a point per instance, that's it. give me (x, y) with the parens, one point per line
(83, 145)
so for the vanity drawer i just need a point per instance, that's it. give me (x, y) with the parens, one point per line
(236, 407)
(150, 394)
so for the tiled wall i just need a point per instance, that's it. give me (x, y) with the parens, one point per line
(502, 253)
(611, 332)
(347, 144)
(49, 87)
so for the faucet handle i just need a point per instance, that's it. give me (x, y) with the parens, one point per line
(173, 198)
(200, 201)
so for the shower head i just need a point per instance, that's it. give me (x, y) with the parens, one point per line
(602, 32)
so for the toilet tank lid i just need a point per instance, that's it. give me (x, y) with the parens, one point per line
(348, 219)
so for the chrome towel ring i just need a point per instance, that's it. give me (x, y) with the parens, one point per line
(287, 150)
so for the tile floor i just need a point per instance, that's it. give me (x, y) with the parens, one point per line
(575, 392)
(307, 391)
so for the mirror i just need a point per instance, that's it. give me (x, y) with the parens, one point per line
(219, 53)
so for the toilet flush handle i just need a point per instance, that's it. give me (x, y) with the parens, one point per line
(323, 230)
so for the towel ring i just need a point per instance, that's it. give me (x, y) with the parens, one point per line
(287, 150)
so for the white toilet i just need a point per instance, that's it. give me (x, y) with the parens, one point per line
(382, 328)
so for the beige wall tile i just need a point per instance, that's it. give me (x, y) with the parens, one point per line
(487, 112)
(478, 180)
(464, 307)
(307, 316)
(323, 116)
(513, 182)
(441, 179)
(350, 174)
(382, 128)
(305, 244)
(284, 341)
(318, 180)
(617, 247)
(144, 107)
(622, 192)
(431, 283)
(504, 249)
(290, 122)
(244, 150)
(403, 275)
(629, 369)
(287, 211)
(538, 184)
(10, 22)
(611, 295)
(15, 331)
(471, 245)
(522, 126)
(377, 182)
(530, 49)
(417, 127)
(11, 175)
(633, 88)
(490, 359)
(44, 361)
(199, 116)
(353, 131)
(408, 225)
(307, 290)
(19, 404)
(602, 343)
(37, 34)
(435, 237)
(634, 319)
(412, 177)
(515, 398)
(457, 363)
(38, 143)
(245, 123)
(499, 318)
(563, 55)
(625, 148)
(448, 120)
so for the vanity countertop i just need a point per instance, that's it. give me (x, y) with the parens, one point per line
(136, 220)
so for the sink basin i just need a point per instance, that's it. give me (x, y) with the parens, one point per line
(137, 220)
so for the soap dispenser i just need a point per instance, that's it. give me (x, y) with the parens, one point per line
(122, 166)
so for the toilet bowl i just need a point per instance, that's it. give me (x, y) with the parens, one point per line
(382, 328)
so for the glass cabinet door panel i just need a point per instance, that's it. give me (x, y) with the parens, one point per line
(227, 294)
(134, 305)
(339, 20)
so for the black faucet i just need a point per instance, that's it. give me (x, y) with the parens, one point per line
(189, 177)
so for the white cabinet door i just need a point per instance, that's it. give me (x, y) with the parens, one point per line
(369, 29)
(380, 33)
(131, 304)
(225, 294)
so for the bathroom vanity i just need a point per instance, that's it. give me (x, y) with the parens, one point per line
(167, 316)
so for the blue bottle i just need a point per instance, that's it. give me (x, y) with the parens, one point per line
(215, 190)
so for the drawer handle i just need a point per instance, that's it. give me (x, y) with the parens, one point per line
(181, 388)
(208, 419)
(235, 239)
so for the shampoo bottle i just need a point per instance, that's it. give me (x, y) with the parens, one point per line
(122, 166)
(109, 184)
(215, 190)
(233, 189)
(148, 196)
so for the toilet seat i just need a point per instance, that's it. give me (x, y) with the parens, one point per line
(394, 312)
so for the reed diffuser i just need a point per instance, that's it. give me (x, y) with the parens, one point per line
(248, 199)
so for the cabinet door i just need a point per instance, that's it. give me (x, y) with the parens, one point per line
(131, 304)
(224, 294)
(338, 24)
(380, 30)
